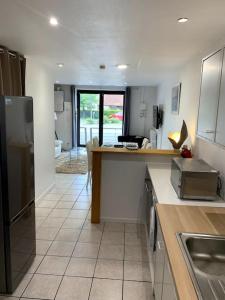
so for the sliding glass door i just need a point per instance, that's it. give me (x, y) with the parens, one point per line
(113, 107)
(100, 114)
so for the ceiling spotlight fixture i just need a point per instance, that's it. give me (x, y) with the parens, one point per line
(122, 67)
(60, 65)
(182, 20)
(53, 21)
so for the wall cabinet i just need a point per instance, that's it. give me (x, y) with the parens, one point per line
(209, 97)
(211, 122)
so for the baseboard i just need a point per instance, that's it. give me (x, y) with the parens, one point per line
(45, 192)
(122, 220)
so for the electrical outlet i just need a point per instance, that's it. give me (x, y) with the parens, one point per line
(221, 186)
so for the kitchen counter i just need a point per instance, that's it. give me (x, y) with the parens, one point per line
(165, 193)
(118, 177)
(192, 219)
(138, 151)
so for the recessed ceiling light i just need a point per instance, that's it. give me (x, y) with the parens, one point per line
(53, 21)
(182, 20)
(102, 67)
(60, 65)
(122, 66)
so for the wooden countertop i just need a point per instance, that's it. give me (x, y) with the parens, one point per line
(176, 218)
(139, 151)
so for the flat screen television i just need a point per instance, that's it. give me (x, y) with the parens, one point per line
(157, 116)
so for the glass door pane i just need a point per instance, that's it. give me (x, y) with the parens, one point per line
(88, 117)
(112, 117)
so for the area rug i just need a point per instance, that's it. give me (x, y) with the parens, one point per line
(71, 164)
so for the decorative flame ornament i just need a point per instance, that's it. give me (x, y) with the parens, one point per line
(177, 138)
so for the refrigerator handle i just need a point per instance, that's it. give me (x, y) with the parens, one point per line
(20, 214)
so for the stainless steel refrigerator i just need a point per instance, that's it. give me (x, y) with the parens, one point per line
(17, 208)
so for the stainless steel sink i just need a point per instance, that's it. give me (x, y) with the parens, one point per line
(205, 258)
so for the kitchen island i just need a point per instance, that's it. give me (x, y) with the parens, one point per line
(118, 177)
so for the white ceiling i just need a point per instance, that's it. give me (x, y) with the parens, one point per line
(141, 33)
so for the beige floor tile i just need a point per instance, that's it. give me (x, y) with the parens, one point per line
(81, 205)
(47, 204)
(61, 248)
(136, 253)
(79, 181)
(86, 192)
(53, 222)
(103, 289)
(117, 227)
(52, 196)
(68, 235)
(93, 227)
(113, 238)
(78, 214)
(69, 198)
(60, 185)
(39, 221)
(73, 223)
(74, 288)
(65, 204)
(53, 265)
(32, 267)
(88, 236)
(137, 290)
(42, 287)
(22, 286)
(60, 191)
(111, 252)
(42, 212)
(42, 246)
(77, 186)
(87, 250)
(135, 239)
(83, 267)
(73, 191)
(133, 227)
(56, 212)
(111, 269)
(84, 198)
(46, 233)
(137, 271)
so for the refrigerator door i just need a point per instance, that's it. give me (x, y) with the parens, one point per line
(2, 248)
(17, 159)
(22, 247)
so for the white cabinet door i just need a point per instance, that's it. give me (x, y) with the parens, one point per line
(209, 98)
(220, 129)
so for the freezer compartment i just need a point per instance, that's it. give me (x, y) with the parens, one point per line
(22, 245)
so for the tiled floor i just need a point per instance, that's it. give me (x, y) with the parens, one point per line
(77, 260)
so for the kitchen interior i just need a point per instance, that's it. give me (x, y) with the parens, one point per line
(151, 222)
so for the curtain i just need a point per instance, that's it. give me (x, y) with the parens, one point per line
(74, 121)
(126, 128)
(12, 73)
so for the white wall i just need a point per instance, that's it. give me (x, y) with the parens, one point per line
(140, 125)
(190, 77)
(63, 124)
(39, 85)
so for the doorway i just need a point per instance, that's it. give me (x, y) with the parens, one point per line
(99, 114)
